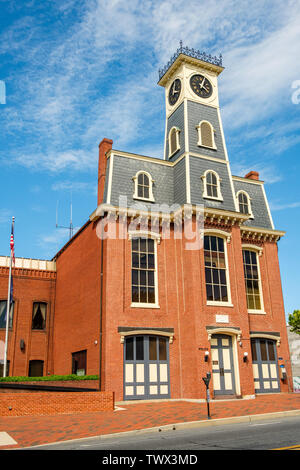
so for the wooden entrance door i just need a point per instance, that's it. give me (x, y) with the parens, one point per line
(222, 365)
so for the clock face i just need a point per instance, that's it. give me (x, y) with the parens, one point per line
(174, 91)
(201, 86)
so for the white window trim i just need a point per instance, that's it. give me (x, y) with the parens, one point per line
(219, 197)
(156, 238)
(258, 251)
(248, 199)
(199, 143)
(151, 181)
(177, 130)
(226, 236)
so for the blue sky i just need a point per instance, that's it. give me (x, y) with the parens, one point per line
(78, 71)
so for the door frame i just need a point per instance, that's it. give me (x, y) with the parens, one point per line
(235, 335)
(146, 361)
(259, 363)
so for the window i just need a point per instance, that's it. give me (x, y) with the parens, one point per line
(244, 203)
(3, 304)
(39, 316)
(215, 269)
(174, 144)
(206, 136)
(212, 187)
(2, 368)
(36, 368)
(252, 280)
(79, 363)
(143, 272)
(143, 186)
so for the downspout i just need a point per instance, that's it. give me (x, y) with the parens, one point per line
(101, 309)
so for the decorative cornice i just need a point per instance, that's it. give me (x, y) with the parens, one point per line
(24, 272)
(260, 234)
(194, 54)
(214, 217)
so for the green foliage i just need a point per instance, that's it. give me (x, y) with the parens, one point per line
(50, 378)
(294, 321)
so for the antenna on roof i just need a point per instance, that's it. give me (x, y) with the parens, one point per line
(70, 227)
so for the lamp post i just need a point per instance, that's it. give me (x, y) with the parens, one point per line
(206, 380)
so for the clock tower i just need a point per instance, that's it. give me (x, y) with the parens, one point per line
(193, 129)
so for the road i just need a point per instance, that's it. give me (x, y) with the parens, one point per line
(267, 434)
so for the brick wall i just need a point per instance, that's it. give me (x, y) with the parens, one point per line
(77, 305)
(51, 403)
(30, 285)
(94, 384)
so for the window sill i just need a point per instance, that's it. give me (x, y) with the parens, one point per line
(213, 198)
(217, 304)
(143, 199)
(257, 312)
(206, 146)
(173, 153)
(143, 305)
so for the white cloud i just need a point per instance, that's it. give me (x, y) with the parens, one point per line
(96, 77)
(72, 186)
(275, 206)
(5, 216)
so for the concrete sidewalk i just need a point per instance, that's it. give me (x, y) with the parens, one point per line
(27, 431)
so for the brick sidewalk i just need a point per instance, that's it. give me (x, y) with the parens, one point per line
(37, 430)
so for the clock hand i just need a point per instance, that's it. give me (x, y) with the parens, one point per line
(202, 82)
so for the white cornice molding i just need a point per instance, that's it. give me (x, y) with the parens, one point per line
(247, 180)
(211, 214)
(258, 233)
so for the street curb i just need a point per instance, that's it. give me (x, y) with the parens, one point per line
(179, 426)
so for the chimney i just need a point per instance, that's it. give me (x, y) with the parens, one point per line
(252, 175)
(104, 147)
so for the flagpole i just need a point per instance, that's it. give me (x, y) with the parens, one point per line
(8, 307)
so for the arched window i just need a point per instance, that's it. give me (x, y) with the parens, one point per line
(206, 136)
(143, 186)
(244, 203)
(174, 144)
(212, 188)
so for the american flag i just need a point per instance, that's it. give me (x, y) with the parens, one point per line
(12, 242)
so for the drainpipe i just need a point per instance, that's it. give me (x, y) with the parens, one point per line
(101, 310)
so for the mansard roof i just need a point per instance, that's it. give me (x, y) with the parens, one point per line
(170, 181)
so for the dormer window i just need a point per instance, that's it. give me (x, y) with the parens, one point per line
(143, 183)
(244, 203)
(211, 183)
(174, 144)
(206, 136)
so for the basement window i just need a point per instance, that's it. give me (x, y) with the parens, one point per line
(36, 368)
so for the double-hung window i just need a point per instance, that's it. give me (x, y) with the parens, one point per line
(252, 281)
(143, 272)
(3, 311)
(216, 276)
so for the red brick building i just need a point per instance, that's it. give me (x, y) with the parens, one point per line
(174, 275)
